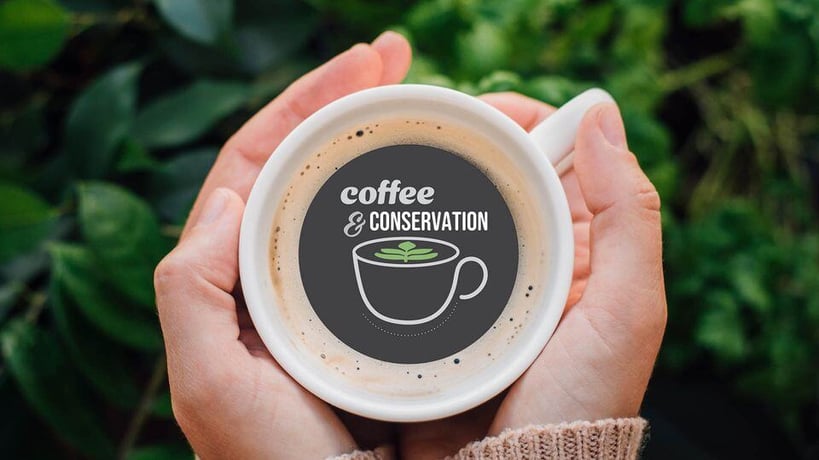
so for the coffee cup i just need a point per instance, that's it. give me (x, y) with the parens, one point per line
(379, 270)
(407, 251)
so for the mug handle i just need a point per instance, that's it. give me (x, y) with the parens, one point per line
(483, 282)
(556, 134)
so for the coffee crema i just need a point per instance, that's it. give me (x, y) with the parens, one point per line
(311, 337)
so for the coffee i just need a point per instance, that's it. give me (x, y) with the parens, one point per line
(403, 255)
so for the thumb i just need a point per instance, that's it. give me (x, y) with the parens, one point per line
(625, 233)
(194, 285)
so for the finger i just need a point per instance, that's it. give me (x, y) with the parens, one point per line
(528, 113)
(362, 66)
(396, 55)
(525, 111)
(194, 285)
(625, 232)
(581, 218)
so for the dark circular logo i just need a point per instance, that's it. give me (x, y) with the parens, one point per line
(408, 253)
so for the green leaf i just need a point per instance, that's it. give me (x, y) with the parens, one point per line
(483, 49)
(8, 296)
(782, 69)
(720, 328)
(554, 90)
(407, 245)
(424, 70)
(25, 220)
(38, 364)
(162, 405)
(389, 256)
(759, 19)
(25, 268)
(419, 251)
(647, 138)
(264, 42)
(124, 235)
(186, 114)
(665, 177)
(161, 452)
(197, 59)
(22, 431)
(21, 135)
(32, 32)
(77, 274)
(103, 363)
(748, 281)
(94, 6)
(703, 12)
(135, 158)
(400, 252)
(99, 120)
(174, 185)
(499, 81)
(431, 21)
(21, 207)
(203, 21)
(429, 256)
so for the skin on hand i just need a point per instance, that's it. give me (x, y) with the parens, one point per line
(229, 396)
(598, 362)
(232, 399)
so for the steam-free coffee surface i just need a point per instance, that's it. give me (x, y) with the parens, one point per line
(392, 242)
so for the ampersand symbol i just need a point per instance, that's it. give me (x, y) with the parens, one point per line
(355, 222)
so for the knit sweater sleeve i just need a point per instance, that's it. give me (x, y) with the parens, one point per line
(610, 439)
(382, 453)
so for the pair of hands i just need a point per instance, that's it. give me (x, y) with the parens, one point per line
(231, 398)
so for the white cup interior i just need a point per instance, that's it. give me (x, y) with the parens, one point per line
(406, 100)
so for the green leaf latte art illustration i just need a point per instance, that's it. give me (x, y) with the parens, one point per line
(406, 251)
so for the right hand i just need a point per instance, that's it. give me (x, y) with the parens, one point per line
(598, 362)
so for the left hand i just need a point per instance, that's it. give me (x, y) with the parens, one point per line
(230, 397)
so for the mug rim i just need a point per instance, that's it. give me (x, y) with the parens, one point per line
(276, 337)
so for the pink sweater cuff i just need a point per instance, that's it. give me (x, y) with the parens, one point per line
(381, 453)
(610, 439)
(604, 439)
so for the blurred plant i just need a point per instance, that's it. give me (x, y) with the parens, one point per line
(112, 111)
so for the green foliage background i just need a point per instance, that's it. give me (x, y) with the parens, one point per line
(112, 111)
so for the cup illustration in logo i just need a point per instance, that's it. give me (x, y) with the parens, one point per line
(410, 280)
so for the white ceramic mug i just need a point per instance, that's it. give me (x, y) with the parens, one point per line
(540, 156)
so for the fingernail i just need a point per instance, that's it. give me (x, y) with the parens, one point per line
(213, 208)
(383, 37)
(611, 125)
